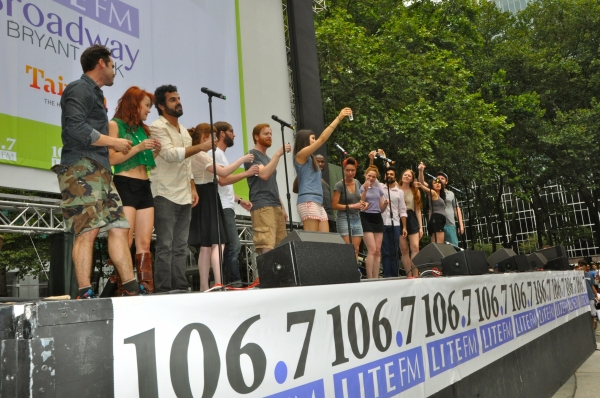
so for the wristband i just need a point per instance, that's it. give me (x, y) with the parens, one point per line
(239, 201)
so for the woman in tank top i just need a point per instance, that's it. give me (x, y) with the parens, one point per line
(309, 189)
(437, 208)
(409, 246)
(131, 175)
(346, 196)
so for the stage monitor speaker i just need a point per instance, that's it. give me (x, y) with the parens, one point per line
(431, 255)
(61, 276)
(516, 263)
(553, 252)
(537, 260)
(310, 236)
(466, 262)
(500, 255)
(307, 263)
(558, 264)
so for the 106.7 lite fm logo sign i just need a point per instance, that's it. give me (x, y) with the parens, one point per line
(381, 339)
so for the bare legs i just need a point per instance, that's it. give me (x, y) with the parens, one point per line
(315, 225)
(373, 241)
(209, 258)
(437, 237)
(355, 242)
(413, 241)
(83, 252)
(83, 248)
(142, 223)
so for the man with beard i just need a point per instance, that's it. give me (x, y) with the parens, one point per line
(391, 234)
(90, 202)
(173, 190)
(268, 212)
(326, 195)
(225, 138)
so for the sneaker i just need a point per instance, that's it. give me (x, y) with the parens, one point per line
(87, 295)
(237, 284)
(142, 292)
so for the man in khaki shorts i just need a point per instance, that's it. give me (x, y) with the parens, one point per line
(90, 202)
(268, 213)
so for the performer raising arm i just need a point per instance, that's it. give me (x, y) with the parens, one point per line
(437, 211)
(310, 190)
(371, 220)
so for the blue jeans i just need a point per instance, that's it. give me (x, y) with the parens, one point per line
(231, 254)
(355, 225)
(389, 247)
(450, 234)
(172, 225)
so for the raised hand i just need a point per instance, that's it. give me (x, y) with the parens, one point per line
(344, 112)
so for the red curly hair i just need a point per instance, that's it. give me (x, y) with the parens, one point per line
(128, 107)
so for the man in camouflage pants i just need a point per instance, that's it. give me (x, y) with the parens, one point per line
(90, 202)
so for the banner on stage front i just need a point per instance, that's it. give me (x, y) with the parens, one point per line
(395, 338)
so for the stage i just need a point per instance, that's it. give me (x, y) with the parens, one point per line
(517, 334)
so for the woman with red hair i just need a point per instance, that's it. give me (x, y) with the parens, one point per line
(131, 175)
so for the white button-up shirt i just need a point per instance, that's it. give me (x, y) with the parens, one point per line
(171, 177)
(397, 204)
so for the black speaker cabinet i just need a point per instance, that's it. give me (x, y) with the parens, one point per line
(516, 263)
(499, 255)
(537, 260)
(553, 252)
(307, 263)
(431, 255)
(467, 262)
(558, 264)
(310, 236)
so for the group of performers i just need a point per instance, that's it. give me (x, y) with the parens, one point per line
(164, 181)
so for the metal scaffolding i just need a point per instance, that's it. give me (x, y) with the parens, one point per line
(30, 215)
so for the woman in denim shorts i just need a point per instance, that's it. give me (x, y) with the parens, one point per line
(346, 197)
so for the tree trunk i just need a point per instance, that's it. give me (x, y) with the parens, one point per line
(500, 214)
(515, 225)
(487, 215)
(541, 220)
(3, 287)
(592, 209)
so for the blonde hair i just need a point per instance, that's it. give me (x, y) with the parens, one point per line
(372, 168)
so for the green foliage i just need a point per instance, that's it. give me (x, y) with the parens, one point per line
(503, 100)
(19, 253)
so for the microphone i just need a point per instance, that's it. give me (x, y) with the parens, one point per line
(390, 161)
(286, 124)
(339, 148)
(211, 93)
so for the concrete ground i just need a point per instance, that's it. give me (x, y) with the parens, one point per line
(585, 383)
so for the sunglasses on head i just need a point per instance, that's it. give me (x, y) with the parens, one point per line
(436, 181)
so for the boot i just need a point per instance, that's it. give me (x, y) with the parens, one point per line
(115, 279)
(143, 267)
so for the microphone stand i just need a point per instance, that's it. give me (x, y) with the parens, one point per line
(287, 182)
(216, 184)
